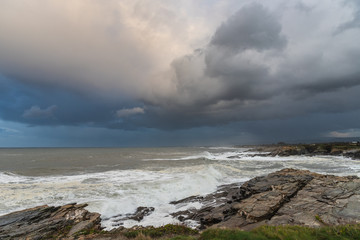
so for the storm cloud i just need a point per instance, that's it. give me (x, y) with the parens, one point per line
(185, 65)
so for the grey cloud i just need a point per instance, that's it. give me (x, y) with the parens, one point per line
(249, 71)
(254, 67)
(330, 84)
(252, 27)
(37, 112)
(303, 7)
(355, 22)
(104, 48)
(228, 68)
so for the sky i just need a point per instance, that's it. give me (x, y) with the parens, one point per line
(87, 73)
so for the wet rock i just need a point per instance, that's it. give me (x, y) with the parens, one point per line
(45, 222)
(287, 197)
(141, 212)
(138, 215)
(353, 154)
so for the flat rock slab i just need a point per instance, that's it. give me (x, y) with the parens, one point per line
(286, 197)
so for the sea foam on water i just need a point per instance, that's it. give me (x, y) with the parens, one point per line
(147, 177)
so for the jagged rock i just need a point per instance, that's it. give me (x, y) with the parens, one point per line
(288, 196)
(138, 215)
(45, 222)
(141, 212)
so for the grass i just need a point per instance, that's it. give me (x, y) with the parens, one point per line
(319, 219)
(178, 232)
(167, 230)
(345, 232)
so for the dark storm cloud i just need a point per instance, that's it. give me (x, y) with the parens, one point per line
(44, 105)
(231, 72)
(228, 68)
(263, 64)
(249, 72)
(252, 27)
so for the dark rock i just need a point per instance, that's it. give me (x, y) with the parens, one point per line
(350, 150)
(353, 154)
(285, 197)
(141, 212)
(45, 222)
(138, 215)
(187, 200)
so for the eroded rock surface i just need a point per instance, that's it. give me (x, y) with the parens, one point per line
(46, 222)
(288, 196)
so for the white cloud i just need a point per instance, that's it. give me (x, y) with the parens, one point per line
(348, 133)
(9, 130)
(129, 111)
(115, 47)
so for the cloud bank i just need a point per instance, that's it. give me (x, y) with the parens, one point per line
(189, 64)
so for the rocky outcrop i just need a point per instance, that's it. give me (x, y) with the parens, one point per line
(289, 196)
(286, 197)
(46, 222)
(351, 150)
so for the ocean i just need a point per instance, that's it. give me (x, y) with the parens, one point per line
(116, 181)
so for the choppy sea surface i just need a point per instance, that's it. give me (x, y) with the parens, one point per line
(116, 181)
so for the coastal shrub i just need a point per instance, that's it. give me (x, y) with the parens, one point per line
(345, 232)
(225, 234)
(183, 238)
(141, 236)
(167, 230)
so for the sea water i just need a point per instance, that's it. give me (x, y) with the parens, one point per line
(116, 181)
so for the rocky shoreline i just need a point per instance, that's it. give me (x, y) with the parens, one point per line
(346, 149)
(289, 196)
(286, 197)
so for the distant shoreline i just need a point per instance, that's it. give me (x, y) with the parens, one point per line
(346, 149)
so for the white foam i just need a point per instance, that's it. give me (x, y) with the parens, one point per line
(112, 192)
(238, 154)
(122, 191)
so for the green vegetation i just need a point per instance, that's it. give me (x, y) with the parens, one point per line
(177, 232)
(89, 232)
(167, 230)
(319, 219)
